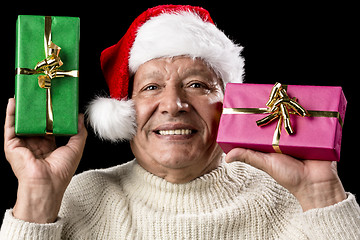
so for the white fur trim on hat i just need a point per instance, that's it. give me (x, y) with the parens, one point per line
(112, 119)
(185, 33)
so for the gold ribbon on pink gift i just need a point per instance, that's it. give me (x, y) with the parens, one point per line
(50, 67)
(279, 106)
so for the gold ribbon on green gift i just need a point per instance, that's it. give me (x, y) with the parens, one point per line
(50, 67)
(279, 106)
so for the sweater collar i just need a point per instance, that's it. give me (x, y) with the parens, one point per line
(210, 191)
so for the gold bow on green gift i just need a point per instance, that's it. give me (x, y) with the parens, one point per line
(50, 67)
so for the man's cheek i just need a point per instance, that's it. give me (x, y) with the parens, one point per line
(142, 114)
(215, 97)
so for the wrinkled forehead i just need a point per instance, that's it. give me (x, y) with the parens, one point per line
(180, 67)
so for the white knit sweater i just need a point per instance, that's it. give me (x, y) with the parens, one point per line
(235, 201)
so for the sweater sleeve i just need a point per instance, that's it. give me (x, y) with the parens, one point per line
(13, 228)
(339, 221)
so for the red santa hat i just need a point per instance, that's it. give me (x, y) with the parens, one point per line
(162, 31)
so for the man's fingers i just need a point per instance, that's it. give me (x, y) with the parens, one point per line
(279, 166)
(9, 127)
(256, 159)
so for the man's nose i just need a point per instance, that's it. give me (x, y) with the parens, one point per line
(173, 102)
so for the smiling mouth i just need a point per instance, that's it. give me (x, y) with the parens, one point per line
(175, 132)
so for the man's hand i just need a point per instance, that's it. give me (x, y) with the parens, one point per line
(43, 170)
(314, 183)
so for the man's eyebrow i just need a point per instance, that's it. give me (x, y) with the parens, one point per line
(204, 72)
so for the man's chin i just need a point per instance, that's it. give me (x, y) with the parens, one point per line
(176, 159)
(176, 163)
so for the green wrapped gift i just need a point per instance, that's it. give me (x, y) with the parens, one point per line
(46, 80)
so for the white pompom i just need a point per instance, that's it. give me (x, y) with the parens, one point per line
(112, 119)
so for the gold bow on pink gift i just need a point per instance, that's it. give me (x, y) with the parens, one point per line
(279, 104)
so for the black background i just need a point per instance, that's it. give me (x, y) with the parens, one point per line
(297, 43)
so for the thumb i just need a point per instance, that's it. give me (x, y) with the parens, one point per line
(77, 142)
(254, 158)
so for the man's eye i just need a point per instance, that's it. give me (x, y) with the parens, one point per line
(151, 87)
(196, 85)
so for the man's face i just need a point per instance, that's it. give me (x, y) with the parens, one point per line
(178, 103)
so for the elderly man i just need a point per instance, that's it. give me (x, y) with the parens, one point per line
(166, 78)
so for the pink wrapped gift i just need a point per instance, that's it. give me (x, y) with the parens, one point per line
(315, 115)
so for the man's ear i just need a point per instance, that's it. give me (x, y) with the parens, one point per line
(131, 86)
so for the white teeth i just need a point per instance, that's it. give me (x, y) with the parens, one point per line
(176, 132)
